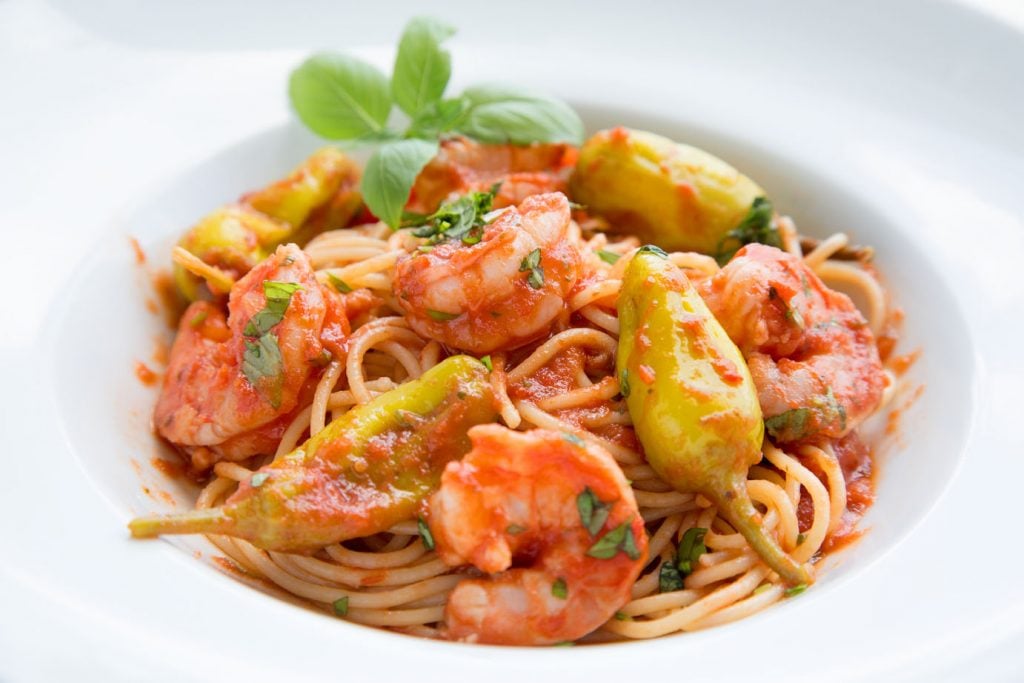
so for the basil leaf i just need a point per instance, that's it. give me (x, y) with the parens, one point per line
(340, 97)
(442, 316)
(422, 66)
(262, 359)
(390, 174)
(795, 590)
(669, 578)
(531, 263)
(437, 118)
(341, 606)
(425, 535)
(500, 114)
(757, 226)
(279, 296)
(609, 257)
(691, 547)
(593, 512)
(560, 589)
(339, 284)
(789, 425)
(609, 545)
(486, 360)
(629, 545)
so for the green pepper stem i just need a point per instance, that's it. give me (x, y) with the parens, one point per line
(740, 513)
(207, 521)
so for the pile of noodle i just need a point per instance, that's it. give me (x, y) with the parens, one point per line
(391, 580)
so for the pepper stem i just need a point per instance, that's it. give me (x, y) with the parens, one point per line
(207, 521)
(739, 511)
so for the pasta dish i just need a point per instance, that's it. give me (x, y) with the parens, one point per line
(562, 393)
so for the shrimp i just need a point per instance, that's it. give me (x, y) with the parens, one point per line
(558, 509)
(465, 166)
(811, 353)
(501, 292)
(208, 401)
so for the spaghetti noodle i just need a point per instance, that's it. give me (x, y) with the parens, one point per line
(392, 580)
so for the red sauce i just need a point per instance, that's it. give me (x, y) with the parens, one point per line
(145, 375)
(857, 462)
(140, 256)
(900, 364)
(169, 468)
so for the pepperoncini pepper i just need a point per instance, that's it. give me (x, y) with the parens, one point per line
(691, 397)
(321, 194)
(366, 471)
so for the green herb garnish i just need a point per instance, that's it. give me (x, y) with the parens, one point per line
(198, 319)
(262, 360)
(486, 360)
(795, 590)
(624, 383)
(442, 316)
(756, 226)
(340, 97)
(341, 606)
(790, 424)
(619, 538)
(425, 535)
(531, 264)
(669, 578)
(461, 219)
(593, 513)
(622, 616)
(691, 547)
(559, 589)
(279, 296)
(609, 257)
(339, 284)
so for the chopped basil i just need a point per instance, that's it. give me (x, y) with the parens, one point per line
(257, 479)
(691, 547)
(669, 578)
(795, 590)
(341, 606)
(593, 513)
(460, 219)
(425, 535)
(800, 538)
(624, 383)
(622, 616)
(619, 538)
(279, 296)
(559, 588)
(442, 316)
(486, 360)
(573, 439)
(262, 359)
(531, 264)
(609, 257)
(339, 284)
(515, 529)
(756, 226)
(790, 425)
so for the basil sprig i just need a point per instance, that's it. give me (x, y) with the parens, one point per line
(340, 97)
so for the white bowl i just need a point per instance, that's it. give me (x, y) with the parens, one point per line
(903, 145)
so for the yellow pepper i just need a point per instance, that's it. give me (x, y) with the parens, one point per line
(691, 397)
(366, 471)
